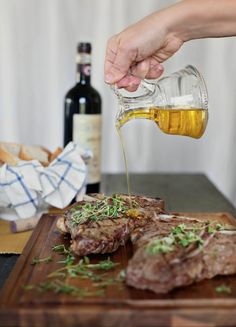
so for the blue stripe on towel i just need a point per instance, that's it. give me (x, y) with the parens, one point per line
(19, 178)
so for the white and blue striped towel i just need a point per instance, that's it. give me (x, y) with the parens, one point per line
(29, 186)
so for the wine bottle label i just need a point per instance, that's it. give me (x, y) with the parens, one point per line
(87, 132)
(85, 69)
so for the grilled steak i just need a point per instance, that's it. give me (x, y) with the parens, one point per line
(169, 251)
(177, 251)
(102, 224)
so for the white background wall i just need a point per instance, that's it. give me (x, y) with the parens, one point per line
(37, 50)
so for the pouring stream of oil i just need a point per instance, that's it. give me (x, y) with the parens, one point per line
(125, 161)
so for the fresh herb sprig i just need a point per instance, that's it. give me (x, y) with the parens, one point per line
(163, 245)
(60, 248)
(223, 289)
(37, 260)
(107, 264)
(83, 269)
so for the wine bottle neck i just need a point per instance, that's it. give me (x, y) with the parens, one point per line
(83, 62)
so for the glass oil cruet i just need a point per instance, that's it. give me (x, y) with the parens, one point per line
(177, 103)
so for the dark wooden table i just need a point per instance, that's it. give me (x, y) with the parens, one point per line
(182, 192)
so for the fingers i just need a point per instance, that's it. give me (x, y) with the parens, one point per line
(119, 58)
(129, 82)
(140, 69)
(122, 69)
(148, 68)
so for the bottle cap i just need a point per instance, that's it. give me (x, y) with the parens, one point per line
(84, 47)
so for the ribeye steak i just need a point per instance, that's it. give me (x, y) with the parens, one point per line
(100, 224)
(176, 251)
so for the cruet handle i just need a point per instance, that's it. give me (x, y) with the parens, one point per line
(147, 87)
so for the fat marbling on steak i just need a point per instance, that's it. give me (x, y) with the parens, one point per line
(100, 224)
(175, 251)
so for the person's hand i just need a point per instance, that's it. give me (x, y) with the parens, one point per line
(138, 52)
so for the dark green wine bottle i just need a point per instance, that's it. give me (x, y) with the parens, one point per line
(82, 116)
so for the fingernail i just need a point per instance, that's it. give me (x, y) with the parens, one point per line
(109, 78)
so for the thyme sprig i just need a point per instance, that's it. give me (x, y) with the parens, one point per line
(102, 265)
(109, 207)
(37, 260)
(68, 260)
(223, 289)
(83, 269)
(60, 248)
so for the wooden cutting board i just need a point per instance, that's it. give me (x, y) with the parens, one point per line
(196, 305)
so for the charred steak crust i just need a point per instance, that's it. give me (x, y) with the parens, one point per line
(183, 265)
(106, 235)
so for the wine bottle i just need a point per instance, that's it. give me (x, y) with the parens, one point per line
(82, 116)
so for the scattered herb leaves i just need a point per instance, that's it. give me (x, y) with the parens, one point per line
(58, 280)
(37, 260)
(109, 207)
(159, 246)
(60, 248)
(182, 235)
(211, 229)
(68, 260)
(219, 226)
(122, 275)
(223, 289)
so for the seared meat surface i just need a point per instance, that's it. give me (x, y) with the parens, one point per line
(178, 251)
(102, 224)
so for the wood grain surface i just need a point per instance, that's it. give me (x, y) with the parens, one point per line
(195, 305)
